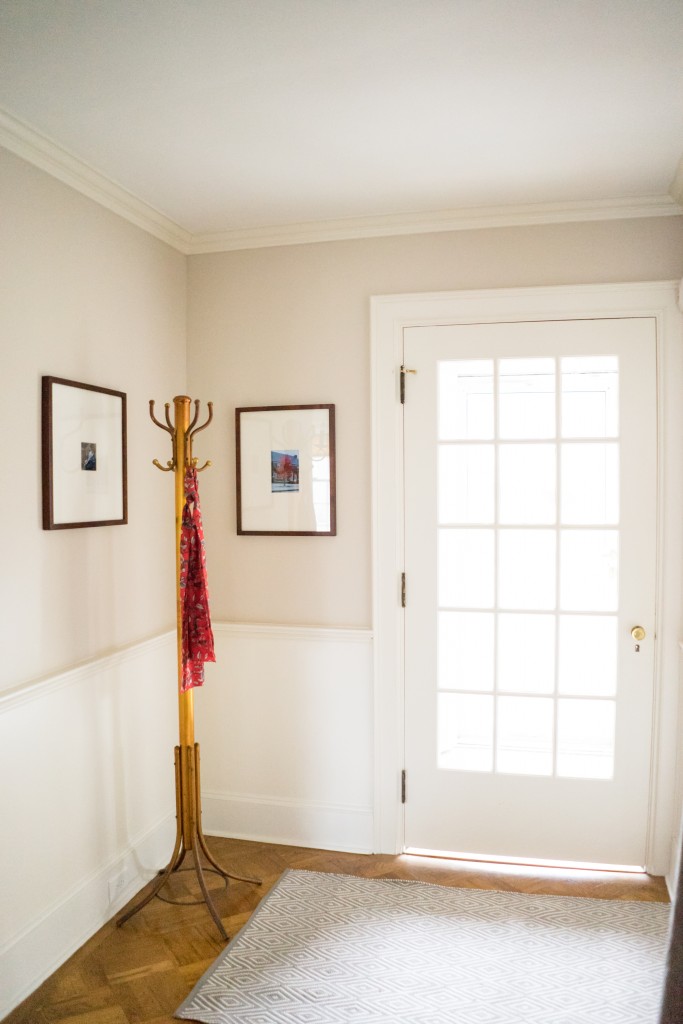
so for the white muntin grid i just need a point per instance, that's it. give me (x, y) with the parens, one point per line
(559, 441)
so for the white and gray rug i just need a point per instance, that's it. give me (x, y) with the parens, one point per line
(335, 949)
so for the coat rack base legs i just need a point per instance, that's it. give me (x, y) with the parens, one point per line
(189, 839)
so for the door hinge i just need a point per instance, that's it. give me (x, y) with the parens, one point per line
(404, 371)
(403, 786)
(403, 590)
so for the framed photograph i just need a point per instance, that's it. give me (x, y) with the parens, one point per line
(84, 455)
(286, 471)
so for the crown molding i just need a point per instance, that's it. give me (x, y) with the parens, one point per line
(465, 219)
(23, 141)
(29, 144)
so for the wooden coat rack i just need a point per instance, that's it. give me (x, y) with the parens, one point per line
(189, 835)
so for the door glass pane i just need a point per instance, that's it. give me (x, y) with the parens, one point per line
(466, 483)
(525, 735)
(465, 399)
(518, 691)
(465, 568)
(526, 653)
(589, 570)
(588, 655)
(465, 732)
(590, 396)
(526, 488)
(527, 398)
(585, 738)
(526, 569)
(465, 651)
(590, 483)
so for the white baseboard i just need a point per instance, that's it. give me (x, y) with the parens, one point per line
(288, 822)
(48, 942)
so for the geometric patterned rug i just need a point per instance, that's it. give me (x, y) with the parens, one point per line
(336, 949)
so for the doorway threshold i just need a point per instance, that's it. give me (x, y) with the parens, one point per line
(527, 862)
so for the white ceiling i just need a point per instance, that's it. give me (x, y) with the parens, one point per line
(241, 115)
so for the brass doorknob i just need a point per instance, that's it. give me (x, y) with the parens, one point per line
(638, 633)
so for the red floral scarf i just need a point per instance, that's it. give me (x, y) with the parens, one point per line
(197, 636)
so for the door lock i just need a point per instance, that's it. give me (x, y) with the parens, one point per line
(638, 634)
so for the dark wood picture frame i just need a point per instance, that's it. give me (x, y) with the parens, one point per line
(55, 518)
(278, 509)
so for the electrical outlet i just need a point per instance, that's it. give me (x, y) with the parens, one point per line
(116, 886)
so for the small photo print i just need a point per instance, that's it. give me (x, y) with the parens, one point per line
(284, 471)
(88, 455)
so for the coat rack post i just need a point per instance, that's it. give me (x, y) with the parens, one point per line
(182, 457)
(189, 834)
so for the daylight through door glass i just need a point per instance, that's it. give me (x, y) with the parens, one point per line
(528, 565)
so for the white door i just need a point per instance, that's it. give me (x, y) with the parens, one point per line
(530, 531)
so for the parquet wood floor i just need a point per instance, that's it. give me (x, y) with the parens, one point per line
(140, 973)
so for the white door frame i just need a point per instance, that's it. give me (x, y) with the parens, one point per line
(390, 315)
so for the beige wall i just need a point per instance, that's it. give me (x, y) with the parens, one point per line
(291, 326)
(86, 296)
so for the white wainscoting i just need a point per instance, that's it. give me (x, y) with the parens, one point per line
(86, 756)
(86, 761)
(285, 723)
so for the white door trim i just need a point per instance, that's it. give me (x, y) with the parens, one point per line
(390, 314)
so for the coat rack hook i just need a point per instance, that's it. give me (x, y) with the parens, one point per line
(163, 426)
(167, 410)
(204, 425)
(195, 417)
(205, 466)
(168, 468)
